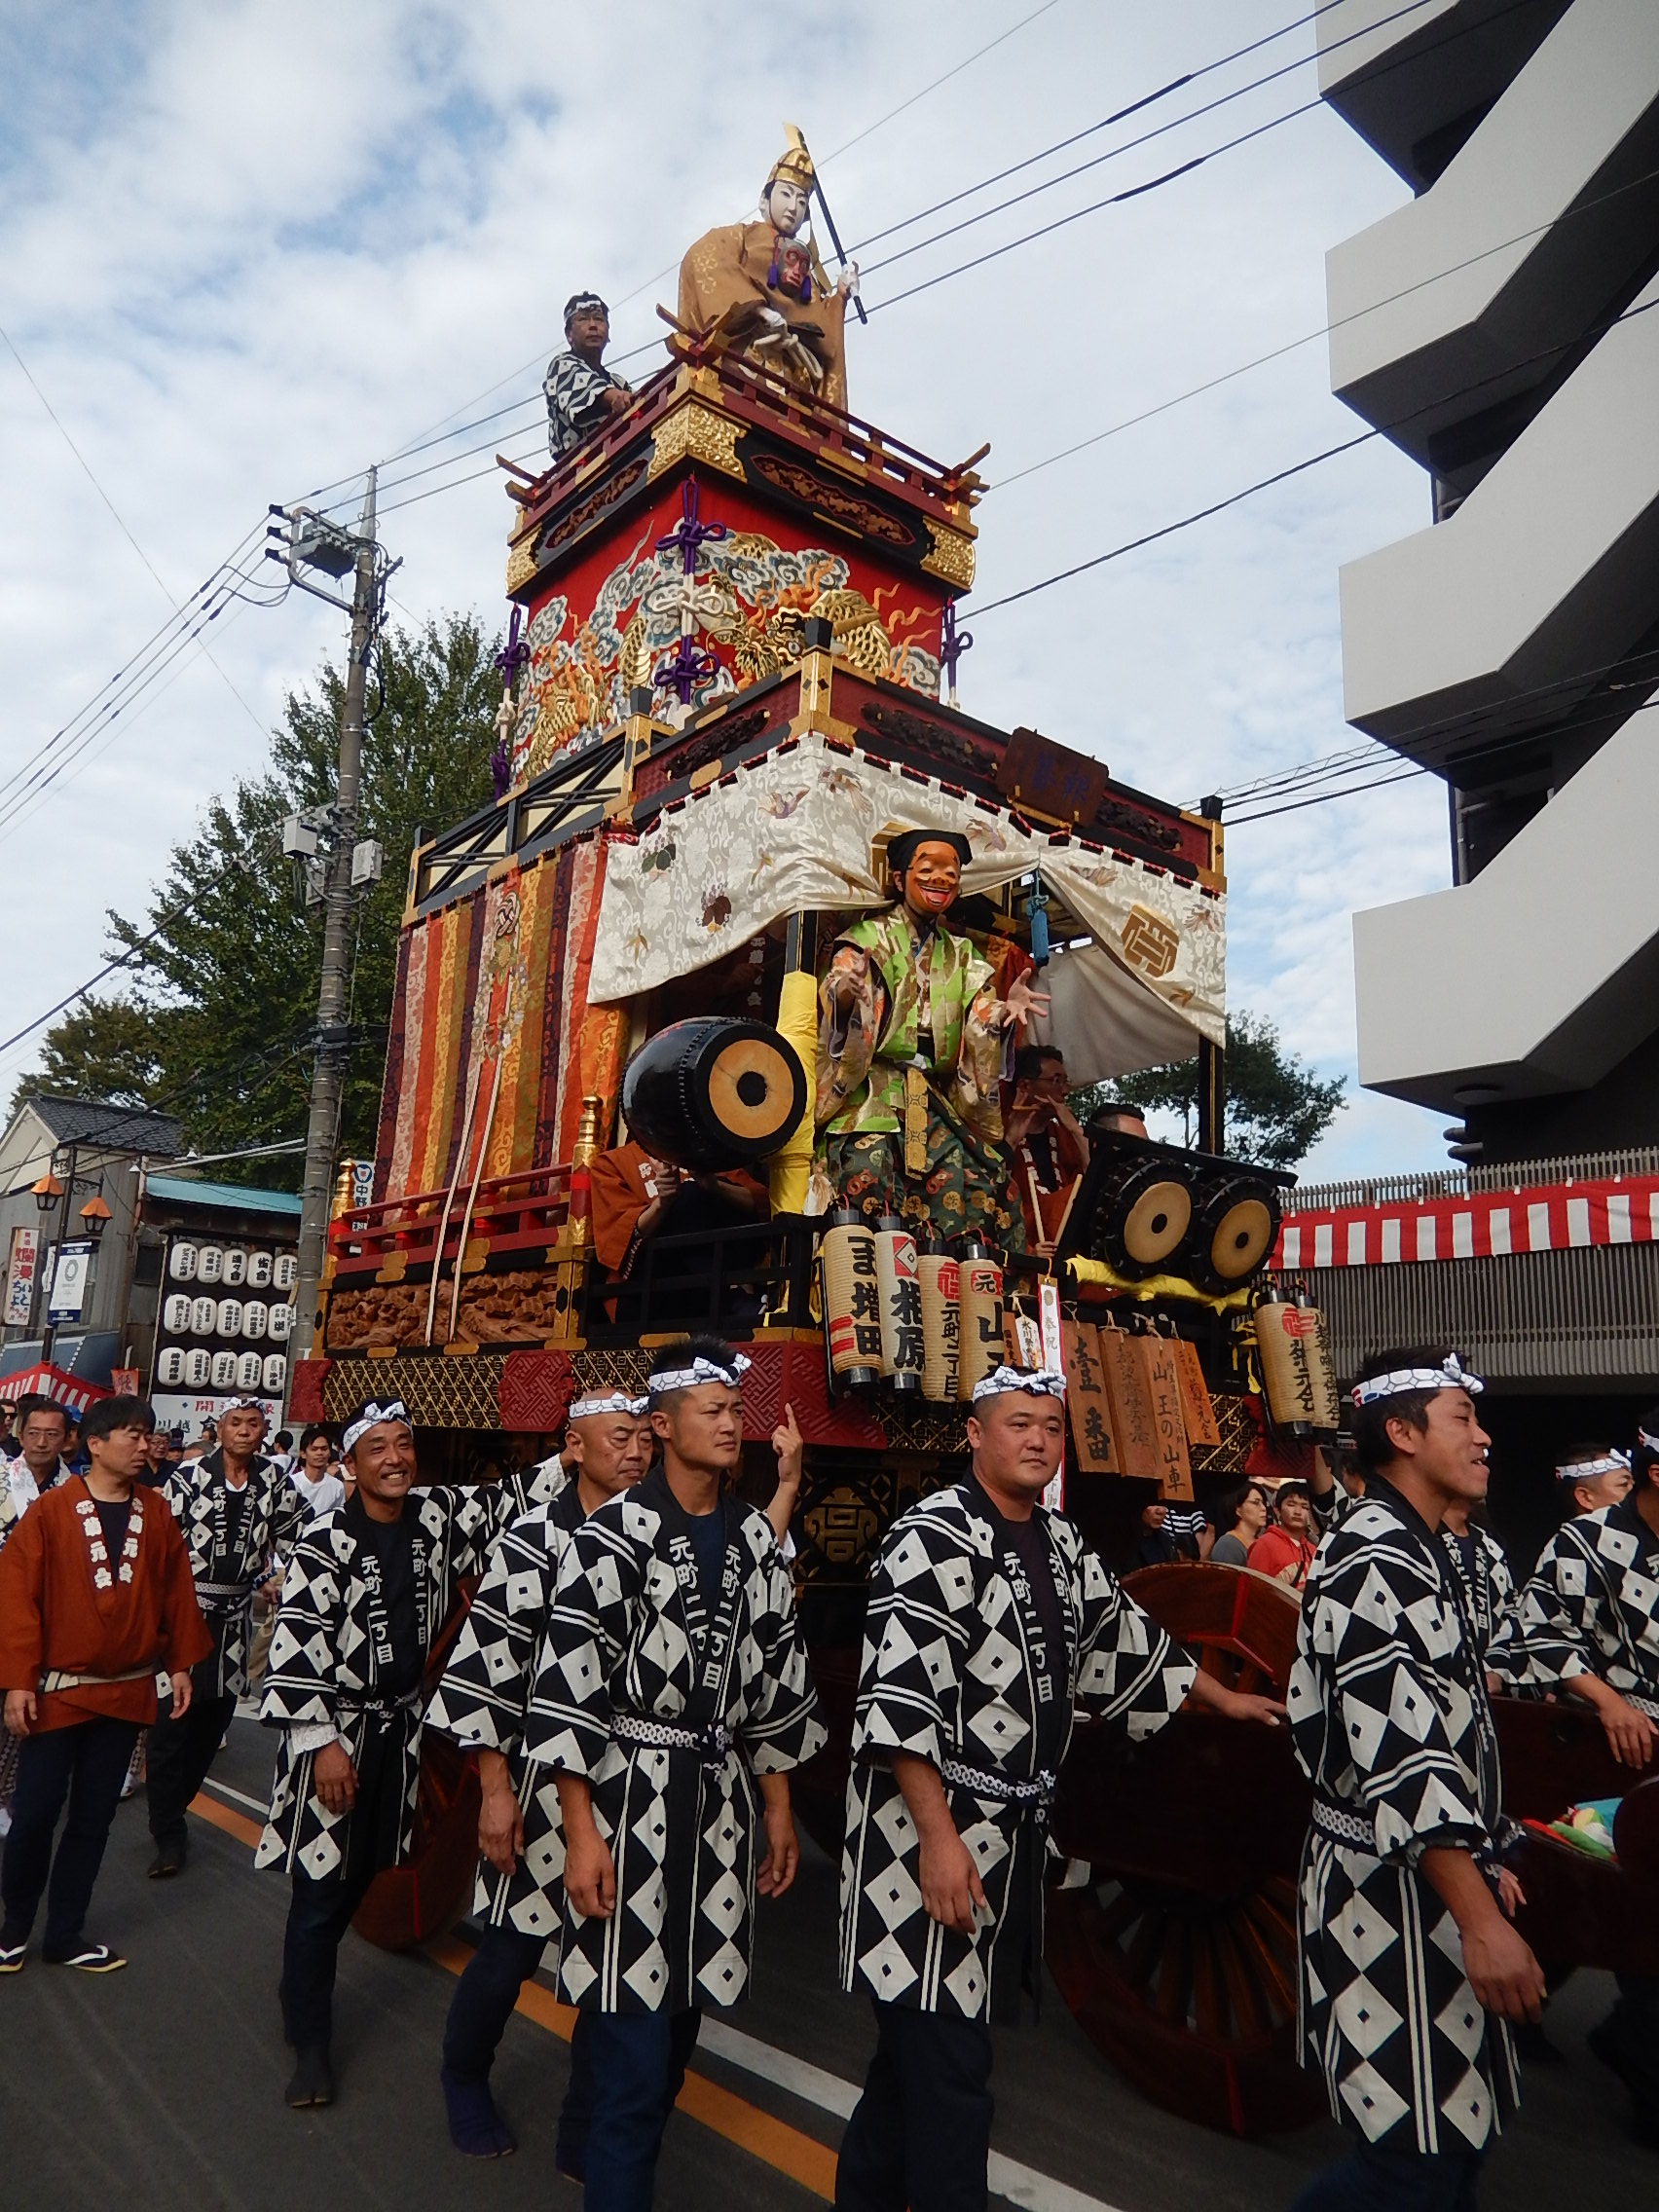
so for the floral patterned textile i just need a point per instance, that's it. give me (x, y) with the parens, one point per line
(796, 831)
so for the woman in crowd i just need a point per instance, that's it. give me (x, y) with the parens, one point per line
(1249, 1507)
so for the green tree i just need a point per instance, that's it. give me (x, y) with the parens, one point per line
(1278, 1108)
(219, 1022)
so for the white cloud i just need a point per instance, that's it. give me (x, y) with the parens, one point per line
(245, 250)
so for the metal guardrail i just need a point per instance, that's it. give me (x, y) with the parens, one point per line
(1456, 1183)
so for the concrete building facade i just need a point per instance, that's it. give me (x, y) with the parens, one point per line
(1502, 328)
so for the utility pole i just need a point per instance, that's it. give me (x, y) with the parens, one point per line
(333, 1032)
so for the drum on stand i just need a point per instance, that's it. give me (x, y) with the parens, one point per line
(712, 1093)
(1234, 1228)
(1142, 1209)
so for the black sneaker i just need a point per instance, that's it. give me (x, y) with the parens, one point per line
(168, 1860)
(312, 2082)
(86, 1957)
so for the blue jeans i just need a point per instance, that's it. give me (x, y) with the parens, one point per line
(1375, 2180)
(638, 2063)
(478, 2015)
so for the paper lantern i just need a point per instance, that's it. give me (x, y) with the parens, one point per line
(176, 1314)
(1298, 1374)
(852, 1301)
(938, 1282)
(250, 1371)
(198, 1367)
(181, 1263)
(170, 1368)
(900, 1303)
(224, 1370)
(283, 1271)
(210, 1264)
(982, 1346)
(259, 1271)
(230, 1313)
(235, 1265)
(281, 1323)
(274, 1374)
(255, 1318)
(203, 1314)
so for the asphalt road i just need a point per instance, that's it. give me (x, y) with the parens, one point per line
(162, 2085)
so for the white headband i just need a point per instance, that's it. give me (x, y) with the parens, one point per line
(701, 1370)
(1453, 1376)
(371, 1417)
(243, 1406)
(1647, 1442)
(1586, 1470)
(1036, 1382)
(617, 1402)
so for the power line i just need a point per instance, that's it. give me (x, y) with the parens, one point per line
(847, 144)
(119, 518)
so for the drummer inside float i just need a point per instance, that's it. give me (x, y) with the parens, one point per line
(913, 1047)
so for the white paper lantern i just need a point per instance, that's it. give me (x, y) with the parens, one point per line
(224, 1370)
(256, 1317)
(276, 1373)
(176, 1314)
(259, 1271)
(283, 1274)
(196, 1368)
(210, 1263)
(281, 1324)
(230, 1316)
(181, 1263)
(249, 1370)
(170, 1368)
(235, 1265)
(203, 1316)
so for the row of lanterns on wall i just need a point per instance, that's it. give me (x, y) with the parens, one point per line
(200, 1370)
(233, 1266)
(186, 1317)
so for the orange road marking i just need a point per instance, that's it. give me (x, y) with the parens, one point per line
(220, 1816)
(787, 2150)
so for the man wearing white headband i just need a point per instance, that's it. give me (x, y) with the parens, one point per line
(990, 1624)
(1592, 1476)
(671, 1687)
(1591, 1619)
(240, 1517)
(481, 1702)
(1410, 1968)
(367, 1589)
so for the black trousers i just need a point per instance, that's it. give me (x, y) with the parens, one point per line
(921, 2133)
(182, 1750)
(478, 2015)
(1375, 2180)
(318, 1916)
(1632, 2028)
(86, 1763)
(636, 2063)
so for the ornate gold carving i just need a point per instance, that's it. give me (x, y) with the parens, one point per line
(701, 433)
(606, 495)
(952, 555)
(440, 1394)
(521, 563)
(832, 500)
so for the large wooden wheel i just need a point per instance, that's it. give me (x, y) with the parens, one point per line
(1177, 1953)
(1192, 1996)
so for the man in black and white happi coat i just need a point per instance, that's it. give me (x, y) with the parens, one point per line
(582, 393)
(990, 1626)
(367, 1588)
(1591, 1619)
(481, 1703)
(672, 1697)
(1410, 1968)
(239, 1516)
(1492, 1601)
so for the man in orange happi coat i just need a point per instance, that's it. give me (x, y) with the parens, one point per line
(95, 1596)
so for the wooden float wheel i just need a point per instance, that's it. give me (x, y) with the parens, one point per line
(1193, 1997)
(1240, 1627)
(408, 1905)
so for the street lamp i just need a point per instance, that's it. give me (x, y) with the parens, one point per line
(95, 1216)
(47, 1191)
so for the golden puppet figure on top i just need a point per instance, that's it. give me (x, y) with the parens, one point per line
(766, 288)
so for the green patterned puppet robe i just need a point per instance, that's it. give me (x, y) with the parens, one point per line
(921, 993)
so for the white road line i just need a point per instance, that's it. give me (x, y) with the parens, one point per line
(1016, 2184)
(238, 1796)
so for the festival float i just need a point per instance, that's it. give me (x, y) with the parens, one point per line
(729, 694)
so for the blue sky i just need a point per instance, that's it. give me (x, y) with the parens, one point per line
(246, 250)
